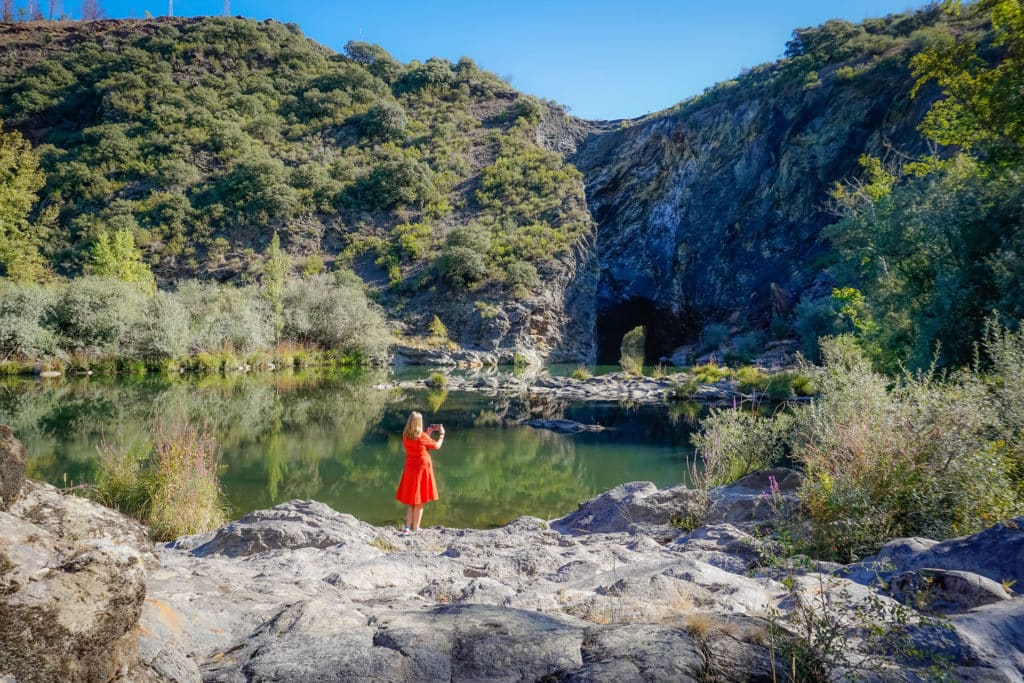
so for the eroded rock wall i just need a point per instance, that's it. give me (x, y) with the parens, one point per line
(702, 211)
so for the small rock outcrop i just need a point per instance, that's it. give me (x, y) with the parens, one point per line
(72, 589)
(12, 467)
(563, 426)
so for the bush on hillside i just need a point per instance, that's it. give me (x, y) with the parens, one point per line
(338, 317)
(24, 310)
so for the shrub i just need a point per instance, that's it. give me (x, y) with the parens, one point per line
(685, 390)
(915, 461)
(581, 373)
(749, 378)
(523, 274)
(122, 481)
(233, 317)
(94, 314)
(711, 373)
(162, 331)
(747, 346)
(385, 121)
(713, 336)
(734, 443)
(462, 266)
(334, 316)
(186, 497)
(437, 380)
(474, 237)
(438, 329)
(172, 485)
(632, 351)
(814, 319)
(23, 311)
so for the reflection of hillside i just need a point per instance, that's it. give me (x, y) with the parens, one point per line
(61, 423)
(337, 440)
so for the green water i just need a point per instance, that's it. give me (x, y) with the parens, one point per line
(337, 439)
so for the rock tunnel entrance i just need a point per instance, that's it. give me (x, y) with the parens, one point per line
(665, 329)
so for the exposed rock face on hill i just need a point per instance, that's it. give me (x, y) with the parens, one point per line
(703, 211)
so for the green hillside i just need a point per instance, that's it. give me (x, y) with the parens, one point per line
(205, 136)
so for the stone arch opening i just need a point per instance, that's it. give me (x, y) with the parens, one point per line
(665, 330)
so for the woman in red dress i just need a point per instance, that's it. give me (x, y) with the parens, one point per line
(417, 486)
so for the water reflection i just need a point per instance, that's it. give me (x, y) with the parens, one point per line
(336, 439)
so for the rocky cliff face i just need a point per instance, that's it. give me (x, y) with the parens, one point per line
(703, 212)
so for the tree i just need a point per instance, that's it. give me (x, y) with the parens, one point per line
(55, 10)
(385, 121)
(375, 58)
(7, 10)
(983, 108)
(20, 180)
(120, 259)
(275, 269)
(91, 10)
(34, 13)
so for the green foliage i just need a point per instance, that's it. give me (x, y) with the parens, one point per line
(934, 246)
(463, 260)
(203, 138)
(631, 351)
(276, 265)
(711, 373)
(983, 108)
(20, 181)
(438, 329)
(334, 316)
(95, 314)
(23, 315)
(713, 336)
(171, 485)
(734, 443)
(582, 373)
(314, 265)
(437, 380)
(385, 121)
(120, 259)
(932, 259)
(933, 456)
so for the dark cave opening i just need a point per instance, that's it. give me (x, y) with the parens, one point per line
(665, 329)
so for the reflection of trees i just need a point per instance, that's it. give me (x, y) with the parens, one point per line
(335, 439)
(255, 418)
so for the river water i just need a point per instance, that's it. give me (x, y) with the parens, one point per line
(337, 439)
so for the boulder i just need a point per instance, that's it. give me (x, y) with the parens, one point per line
(12, 467)
(67, 611)
(723, 546)
(996, 553)
(747, 503)
(946, 590)
(292, 525)
(73, 519)
(626, 505)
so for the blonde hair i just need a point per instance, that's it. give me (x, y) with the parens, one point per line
(413, 426)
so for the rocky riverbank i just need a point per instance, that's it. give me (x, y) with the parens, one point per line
(616, 590)
(616, 386)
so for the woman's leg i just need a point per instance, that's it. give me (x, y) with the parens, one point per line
(409, 515)
(418, 517)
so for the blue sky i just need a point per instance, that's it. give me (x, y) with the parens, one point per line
(604, 59)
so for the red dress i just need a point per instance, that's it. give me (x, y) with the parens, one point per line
(417, 485)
